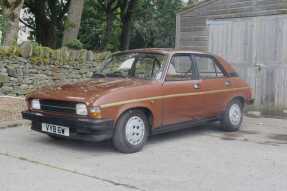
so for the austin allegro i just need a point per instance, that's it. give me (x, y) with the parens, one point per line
(138, 93)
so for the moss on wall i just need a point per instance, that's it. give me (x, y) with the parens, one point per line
(45, 55)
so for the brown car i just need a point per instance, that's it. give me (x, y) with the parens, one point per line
(138, 93)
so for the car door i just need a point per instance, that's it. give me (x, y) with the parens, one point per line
(214, 84)
(181, 91)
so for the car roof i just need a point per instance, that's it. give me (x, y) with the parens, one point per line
(166, 50)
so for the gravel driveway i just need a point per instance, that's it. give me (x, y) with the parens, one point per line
(201, 158)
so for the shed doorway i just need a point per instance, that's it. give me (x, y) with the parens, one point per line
(257, 48)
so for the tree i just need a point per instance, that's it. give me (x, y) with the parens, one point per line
(100, 25)
(155, 23)
(92, 25)
(126, 14)
(73, 21)
(11, 12)
(134, 24)
(110, 8)
(2, 24)
(46, 20)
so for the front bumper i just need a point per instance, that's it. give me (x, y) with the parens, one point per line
(80, 128)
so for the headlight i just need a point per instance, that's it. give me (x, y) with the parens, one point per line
(35, 104)
(81, 109)
(95, 112)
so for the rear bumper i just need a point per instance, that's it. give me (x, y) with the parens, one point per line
(80, 128)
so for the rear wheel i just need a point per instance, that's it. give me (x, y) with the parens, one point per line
(233, 116)
(131, 132)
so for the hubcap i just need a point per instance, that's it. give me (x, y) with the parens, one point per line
(135, 130)
(235, 114)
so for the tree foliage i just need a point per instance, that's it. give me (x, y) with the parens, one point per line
(151, 23)
(92, 28)
(104, 24)
(193, 2)
(2, 25)
(46, 18)
(155, 23)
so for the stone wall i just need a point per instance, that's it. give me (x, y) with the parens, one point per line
(19, 75)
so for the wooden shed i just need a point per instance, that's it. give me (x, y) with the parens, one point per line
(250, 34)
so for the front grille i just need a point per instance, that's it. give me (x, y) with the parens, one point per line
(58, 106)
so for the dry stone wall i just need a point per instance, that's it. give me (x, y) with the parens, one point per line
(20, 75)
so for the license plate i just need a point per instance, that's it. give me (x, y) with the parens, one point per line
(55, 129)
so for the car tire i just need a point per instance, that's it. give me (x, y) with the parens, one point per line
(233, 116)
(131, 132)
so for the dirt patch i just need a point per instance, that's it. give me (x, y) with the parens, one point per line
(278, 137)
(228, 138)
(269, 143)
(249, 132)
(231, 136)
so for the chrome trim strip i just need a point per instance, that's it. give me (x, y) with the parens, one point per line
(170, 96)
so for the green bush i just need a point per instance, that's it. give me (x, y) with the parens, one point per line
(75, 44)
(12, 51)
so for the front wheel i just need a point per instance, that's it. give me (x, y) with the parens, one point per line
(131, 132)
(233, 116)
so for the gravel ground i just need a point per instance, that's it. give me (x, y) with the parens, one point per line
(201, 158)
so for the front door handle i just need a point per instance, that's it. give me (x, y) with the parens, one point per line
(196, 86)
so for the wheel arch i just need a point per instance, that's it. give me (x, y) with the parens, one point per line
(147, 111)
(237, 97)
(240, 98)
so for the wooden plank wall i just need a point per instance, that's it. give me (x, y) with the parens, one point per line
(251, 34)
(192, 31)
(256, 46)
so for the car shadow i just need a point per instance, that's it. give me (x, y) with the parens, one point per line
(77, 146)
(106, 146)
(185, 133)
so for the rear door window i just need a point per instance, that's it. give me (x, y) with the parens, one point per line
(207, 67)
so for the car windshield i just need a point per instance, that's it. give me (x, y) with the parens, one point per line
(147, 66)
